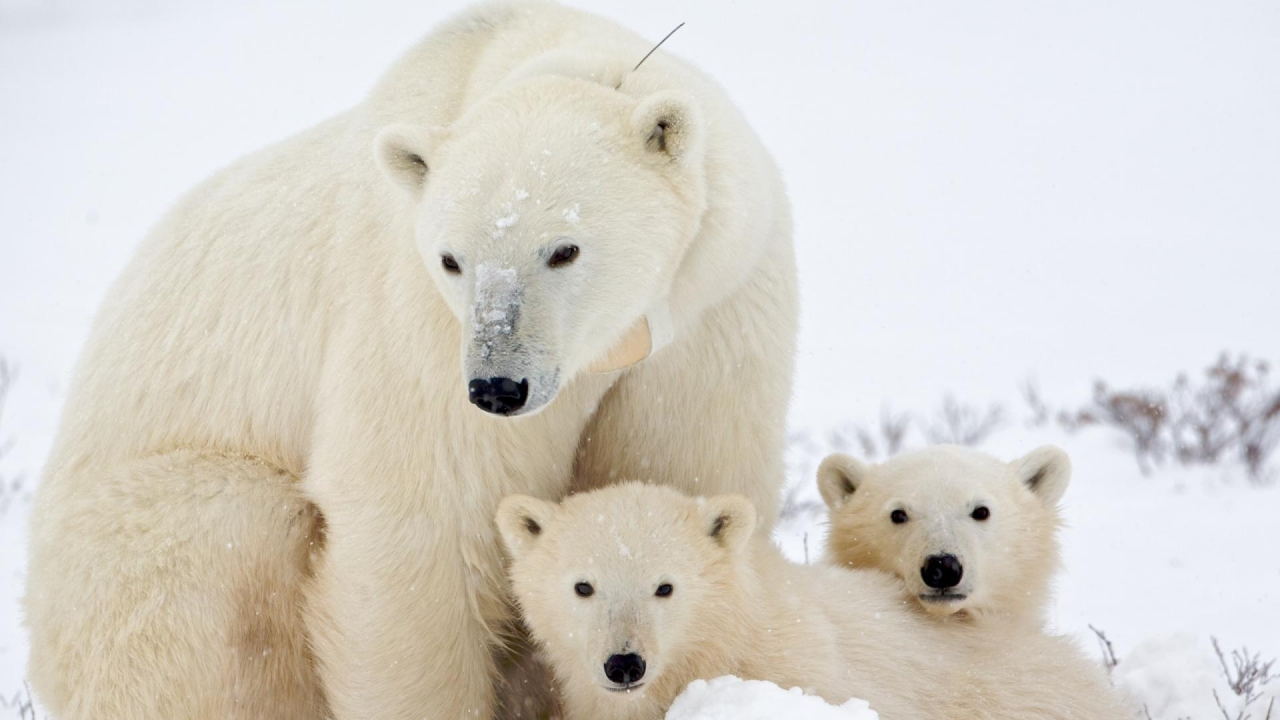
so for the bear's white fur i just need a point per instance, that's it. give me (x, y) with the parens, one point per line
(737, 607)
(270, 493)
(999, 521)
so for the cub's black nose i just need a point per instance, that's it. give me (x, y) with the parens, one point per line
(498, 395)
(942, 571)
(624, 669)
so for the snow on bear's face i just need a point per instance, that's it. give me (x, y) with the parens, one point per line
(966, 533)
(617, 584)
(552, 217)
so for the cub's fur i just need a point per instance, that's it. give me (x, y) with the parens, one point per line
(636, 590)
(971, 536)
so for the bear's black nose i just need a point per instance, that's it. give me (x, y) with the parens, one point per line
(498, 395)
(942, 571)
(624, 669)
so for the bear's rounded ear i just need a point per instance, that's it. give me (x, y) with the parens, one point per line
(728, 520)
(1045, 471)
(839, 477)
(521, 520)
(401, 152)
(668, 123)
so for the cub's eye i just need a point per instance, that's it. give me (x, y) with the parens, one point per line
(898, 516)
(563, 255)
(584, 589)
(980, 513)
(450, 264)
(664, 590)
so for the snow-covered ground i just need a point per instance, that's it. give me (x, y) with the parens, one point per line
(730, 697)
(983, 192)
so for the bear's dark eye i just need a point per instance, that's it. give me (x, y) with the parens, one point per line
(980, 513)
(584, 589)
(563, 255)
(898, 516)
(450, 264)
(664, 590)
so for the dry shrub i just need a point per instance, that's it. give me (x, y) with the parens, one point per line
(957, 423)
(1231, 413)
(881, 440)
(1246, 674)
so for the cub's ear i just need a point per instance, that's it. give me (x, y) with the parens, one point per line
(668, 123)
(839, 477)
(728, 519)
(521, 520)
(1045, 471)
(401, 152)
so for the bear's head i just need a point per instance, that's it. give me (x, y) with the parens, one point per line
(619, 585)
(967, 533)
(552, 217)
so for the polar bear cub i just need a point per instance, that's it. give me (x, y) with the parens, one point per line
(634, 591)
(971, 536)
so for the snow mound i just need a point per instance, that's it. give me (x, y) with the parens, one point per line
(731, 698)
(1171, 676)
(1175, 676)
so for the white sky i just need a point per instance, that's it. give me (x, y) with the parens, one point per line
(982, 191)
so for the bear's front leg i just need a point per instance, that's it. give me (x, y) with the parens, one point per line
(409, 580)
(397, 616)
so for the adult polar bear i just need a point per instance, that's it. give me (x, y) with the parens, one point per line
(290, 339)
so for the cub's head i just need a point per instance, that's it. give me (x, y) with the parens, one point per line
(552, 217)
(619, 585)
(967, 533)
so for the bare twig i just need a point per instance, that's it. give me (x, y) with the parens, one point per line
(22, 702)
(1040, 412)
(893, 429)
(1221, 708)
(1109, 658)
(793, 506)
(655, 47)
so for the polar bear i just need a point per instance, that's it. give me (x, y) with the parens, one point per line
(273, 488)
(971, 536)
(635, 590)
